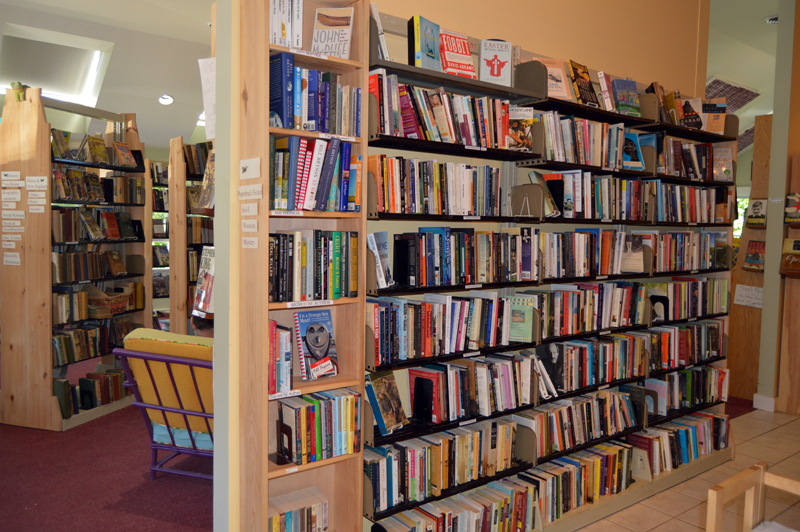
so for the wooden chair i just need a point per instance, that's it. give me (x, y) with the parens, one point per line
(753, 482)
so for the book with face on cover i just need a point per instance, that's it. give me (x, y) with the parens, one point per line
(316, 346)
(520, 128)
(756, 214)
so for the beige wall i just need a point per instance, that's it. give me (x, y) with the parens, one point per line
(665, 41)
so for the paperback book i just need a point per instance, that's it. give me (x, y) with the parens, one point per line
(792, 208)
(626, 97)
(423, 44)
(316, 345)
(333, 31)
(496, 62)
(455, 54)
(520, 128)
(557, 84)
(384, 398)
(582, 84)
(754, 260)
(203, 306)
(632, 153)
(756, 214)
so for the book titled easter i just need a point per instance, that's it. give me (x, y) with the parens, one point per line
(333, 31)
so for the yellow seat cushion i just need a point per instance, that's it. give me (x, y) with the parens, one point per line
(180, 346)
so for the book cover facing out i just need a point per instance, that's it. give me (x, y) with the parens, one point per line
(496, 62)
(632, 153)
(423, 44)
(626, 97)
(203, 306)
(333, 31)
(455, 54)
(314, 330)
(754, 260)
(582, 84)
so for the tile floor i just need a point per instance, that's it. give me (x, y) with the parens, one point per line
(759, 436)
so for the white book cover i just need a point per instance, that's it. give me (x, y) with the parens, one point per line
(333, 31)
(297, 24)
(495, 59)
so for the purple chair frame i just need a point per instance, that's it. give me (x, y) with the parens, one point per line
(130, 382)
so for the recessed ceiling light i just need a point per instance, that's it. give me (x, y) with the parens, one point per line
(166, 99)
(772, 20)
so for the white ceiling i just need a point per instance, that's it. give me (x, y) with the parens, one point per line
(741, 50)
(156, 47)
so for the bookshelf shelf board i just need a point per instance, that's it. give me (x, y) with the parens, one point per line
(628, 276)
(319, 385)
(680, 412)
(592, 443)
(160, 297)
(447, 148)
(101, 279)
(301, 305)
(84, 416)
(559, 166)
(76, 322)
(194, 177)
(162, 212)
(283, 132)
(689, 320)
(100, 166)
(101, 355)
(410, 290)
(518, 467)
(523, 220)
(314, 214)
(565, 107)
(678, 180)
(456, 84)
(199, 215)
(101, 241)
(77, 203)
(199, 245)
(306, 59)
(661, 372)
(278, 471)
(685, 132)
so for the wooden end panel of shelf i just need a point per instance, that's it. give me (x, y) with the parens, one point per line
(178, 274)
(26, 389)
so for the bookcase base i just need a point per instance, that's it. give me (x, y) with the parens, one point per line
(88, 415)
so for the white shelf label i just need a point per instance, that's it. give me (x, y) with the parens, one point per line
(249, 226)
(286, 213)
(13, 229)
(250, 192)
(601, 277)
(476, 148)
(467, 422)
(690, 366)
(291, 470)
(471, 286)
(606, 220)
(284, 395)
(14, 215)
(14, 238)
(36, 183)
(607, 331)
(472, 217)
(12, 195)
(250, 168)
(603, 387)
(10, 175)
(304, 304)
(472, 354)
(340, 137)
(694, 271)
(692, 223)
(14, 184)
(11, 259)
(316, 55)
(692, 319)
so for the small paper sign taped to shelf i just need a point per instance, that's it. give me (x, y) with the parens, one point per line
(467, 422)
(472, 217)
(14, 184)
(10, 176)
(9, 204)
(12, 195)
(286, 213)
(11, 258)
(250, 226)
(749, 296)
(36, 183)
(471, 286)
(13, 229)
(298, 51)
(304, 304)
(36, 209)
(36, 201)
(290, 470)
(249, 209)
(250, 168)
(250, 242)
(13, 238)
(9, 245)
(11, 223)
(284, 395)
(248, 192)
(14, 215)
(38, 195)
(340, 137)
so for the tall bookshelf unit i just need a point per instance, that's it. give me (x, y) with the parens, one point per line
(26, 357)
(159, 303)
(339, 478)
(532, 91)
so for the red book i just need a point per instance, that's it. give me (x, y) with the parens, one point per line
(272, 359)
(301, 163)
(303, 183)
(683, 339)
(110, 227)
(434, 378)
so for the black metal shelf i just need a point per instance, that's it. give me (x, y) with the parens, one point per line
(409, 290)
(78, 203)
(561, 166)
(446, 148)
(162, 212)
(101, 279)
(679, 180)
(101, 241)
(680, 412)
(76, 322)
(100, 166)
(90, 358)
(706, 362)
(196, 245)
(513, 470)
(581, 447)
(685, 132)
(565, 107)
(590, 222)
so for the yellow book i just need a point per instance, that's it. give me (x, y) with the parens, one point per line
(303, 432)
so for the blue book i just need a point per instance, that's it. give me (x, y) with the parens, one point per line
(423, 44)
(313, 100)
(402, 326)
(281, 94)
(344, 179)
(693, 444)
(632, 153)
(384, 451)
(626, 97)
(444, 233)
(294, 153)
(316, 344)
(298, 98)
(328, 168)
(684, 447)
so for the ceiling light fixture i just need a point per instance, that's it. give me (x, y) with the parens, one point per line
(772, 20)
(166, 99)
(202, 116)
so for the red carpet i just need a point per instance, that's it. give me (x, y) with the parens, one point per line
(97, 477)
(736, 407)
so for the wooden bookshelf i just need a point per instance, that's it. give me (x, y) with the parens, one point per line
(178, 272)
(26, 359)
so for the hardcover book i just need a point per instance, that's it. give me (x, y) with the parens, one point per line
(423, 44)
(455, 54)
(756, 214)
(582, 84)
(333, 31)
(124, 155)
(557, 84)
(496, 62)
(203, 306)
(91, 226)
(792, 210)
(116, 266)
(281, 92)
(160, 284)
(626, 97)
(378, 244)
(632, 153)
(61, 144)
(633, 255)
(207, 191)
(384, 398)
(125, 225)
(754, 260)
(723, 162)
(110, 226)
(316, 345)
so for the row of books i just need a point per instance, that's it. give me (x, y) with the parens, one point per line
(74, 266)
(579, 141)
(674, 346)
(77, 185)
(161, 284)
(95, 389)
(160, 255)
(286, 24)
(686, 250)
(92, 148)
(89, 339)
(160, 227)
(281, 376)
(73, 225)
(440, 116)
(197, 157)
(314, 174)
(302, 510)
(312, 265)
(688, 297)
(421, 468)
(701, 161)
(411, 186)
(159, 173)
(690, 204)
(322, 425)
(160, 199)
(312, 100)
(71, 305)
(689, 387)
(199, 230)
(685, 439)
